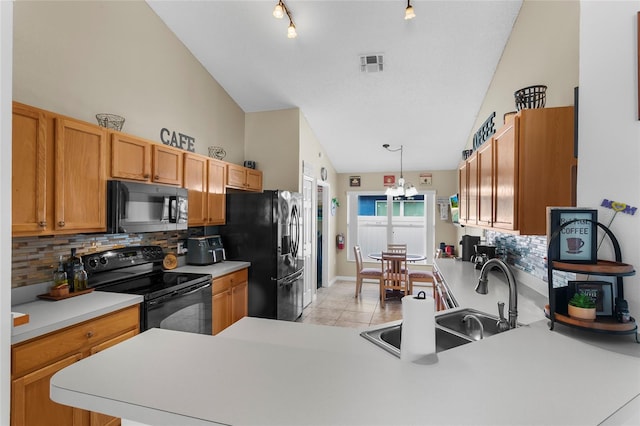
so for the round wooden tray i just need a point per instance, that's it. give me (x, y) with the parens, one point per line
(608, 324)
(602, 267)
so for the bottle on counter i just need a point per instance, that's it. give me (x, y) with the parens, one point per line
(59, 275)
(80, 278)
(73, 265)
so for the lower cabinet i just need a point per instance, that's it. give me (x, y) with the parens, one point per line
(230, 299)
(35, 361)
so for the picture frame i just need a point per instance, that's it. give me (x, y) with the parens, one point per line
(575, 242)
(600, 291)
(354, 180)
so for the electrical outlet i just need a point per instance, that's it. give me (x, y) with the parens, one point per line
(180, 248)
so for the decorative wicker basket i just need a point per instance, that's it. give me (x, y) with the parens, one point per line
(110, 121)
(530, 97)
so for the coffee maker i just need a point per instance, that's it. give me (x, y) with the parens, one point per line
(482, 254)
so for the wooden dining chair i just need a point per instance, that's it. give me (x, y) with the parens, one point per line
(395, 274)
(396, 247)
(422, 276)
(364, 273)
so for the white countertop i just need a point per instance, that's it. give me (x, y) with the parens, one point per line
(305, 376)
(46, 316)
(461, 277)
(264, 372)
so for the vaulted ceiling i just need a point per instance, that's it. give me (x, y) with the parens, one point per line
(437, 68)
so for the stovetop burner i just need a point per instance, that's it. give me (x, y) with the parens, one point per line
(136, 270)
(155, 284)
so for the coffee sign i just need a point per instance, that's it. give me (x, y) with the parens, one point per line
(574, 234)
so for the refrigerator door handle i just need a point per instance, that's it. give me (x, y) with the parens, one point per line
(290, 278)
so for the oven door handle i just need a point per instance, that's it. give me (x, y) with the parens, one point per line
(194, 290)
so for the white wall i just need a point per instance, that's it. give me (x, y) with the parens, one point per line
(80, 58)
(272, 140)
(609, 130)
(542, 49)
(6, 51)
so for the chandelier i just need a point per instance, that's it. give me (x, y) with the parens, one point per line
(400, 189)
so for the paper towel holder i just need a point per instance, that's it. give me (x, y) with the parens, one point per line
(421, 295)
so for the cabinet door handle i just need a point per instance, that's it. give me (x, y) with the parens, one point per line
(42, 224)
(61, 223)
(156, 177)
(89, 334)
(146, 175)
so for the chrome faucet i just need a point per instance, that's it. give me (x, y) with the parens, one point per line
(482, 287)
(473, 317)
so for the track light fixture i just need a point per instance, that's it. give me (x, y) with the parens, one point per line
(408, 12)
(279, 12)
(400, 189)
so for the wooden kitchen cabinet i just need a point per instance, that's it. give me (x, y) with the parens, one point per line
(195, 181)
(216, 187)
(485, 183)
(167, 165)
(463, 190)
(34, 362)
(204, 178)
(31, 171)
(58, 174)
(230, 299)
(130, 157)
(527, 165)
(81, 186)
(240, 177)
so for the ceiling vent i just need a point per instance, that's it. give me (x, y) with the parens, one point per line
(371, 63)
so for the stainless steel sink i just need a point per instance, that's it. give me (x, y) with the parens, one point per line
(451, 330)
(455, 321)
(388, 338)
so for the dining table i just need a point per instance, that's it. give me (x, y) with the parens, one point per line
(411, 257)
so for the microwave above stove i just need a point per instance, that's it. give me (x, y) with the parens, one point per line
(143, 207)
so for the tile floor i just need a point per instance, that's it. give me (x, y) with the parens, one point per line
(338, 306)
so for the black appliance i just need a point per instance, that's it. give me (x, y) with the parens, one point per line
(144, 207)
(266, 229)
(205, 250)
(172, 300)
(468, 243)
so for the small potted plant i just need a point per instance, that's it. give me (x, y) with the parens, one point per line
(582, 307)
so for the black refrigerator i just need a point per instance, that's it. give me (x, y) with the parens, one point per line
(265, 229)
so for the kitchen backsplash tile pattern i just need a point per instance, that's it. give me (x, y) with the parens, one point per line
(527, 253)
(34, 258)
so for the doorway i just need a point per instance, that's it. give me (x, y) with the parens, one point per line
(322, 235)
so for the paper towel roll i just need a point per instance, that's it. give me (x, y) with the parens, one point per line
(418, 338)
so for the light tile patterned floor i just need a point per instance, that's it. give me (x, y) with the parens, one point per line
(338, 306)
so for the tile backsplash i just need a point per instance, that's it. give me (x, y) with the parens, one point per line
(34, 258)
(527, 253)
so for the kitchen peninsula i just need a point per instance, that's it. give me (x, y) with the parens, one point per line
(273, 372)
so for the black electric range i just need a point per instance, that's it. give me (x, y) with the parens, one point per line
(173, 300)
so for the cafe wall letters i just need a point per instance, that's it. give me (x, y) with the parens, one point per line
(576, 240)
(177, 140)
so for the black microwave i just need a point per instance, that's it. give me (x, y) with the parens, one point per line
(141, 207)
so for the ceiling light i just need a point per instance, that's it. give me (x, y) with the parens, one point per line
(400, 189)
(279, 11)
(291, 31)
(408, 12)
